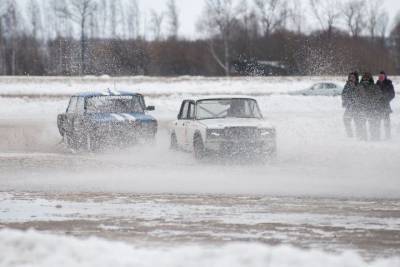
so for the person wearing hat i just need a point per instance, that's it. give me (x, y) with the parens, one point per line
(370, 99)
(387, 88)
(349, 98)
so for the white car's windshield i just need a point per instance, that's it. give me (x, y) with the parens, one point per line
(227, 108)
(114, 104)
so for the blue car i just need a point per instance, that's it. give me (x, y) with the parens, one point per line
(93, 120)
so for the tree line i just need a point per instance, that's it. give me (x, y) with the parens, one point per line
(246, 37)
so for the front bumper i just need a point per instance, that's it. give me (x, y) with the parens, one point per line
(232, 147)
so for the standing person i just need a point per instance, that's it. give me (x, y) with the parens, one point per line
(371, 99)
(349, 98)
(389, 94)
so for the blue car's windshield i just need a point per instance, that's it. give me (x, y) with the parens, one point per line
(114, 104)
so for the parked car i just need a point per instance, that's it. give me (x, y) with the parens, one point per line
(321, 89)
(227, 125)
(95, 119)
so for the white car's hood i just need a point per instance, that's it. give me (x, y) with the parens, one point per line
(235, 122)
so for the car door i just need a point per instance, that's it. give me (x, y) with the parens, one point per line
(180, 130)
(78, 119)
(190, 126)
(70, 114)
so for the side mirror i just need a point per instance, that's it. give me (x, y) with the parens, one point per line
(150, 108)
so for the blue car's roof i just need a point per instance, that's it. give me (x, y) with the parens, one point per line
(106, 93)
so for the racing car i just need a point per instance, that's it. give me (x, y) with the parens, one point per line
(93, 120)
(227, 125)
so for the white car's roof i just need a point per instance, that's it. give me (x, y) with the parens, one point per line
(198, 98)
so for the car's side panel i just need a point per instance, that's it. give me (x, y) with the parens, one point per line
(180, 130)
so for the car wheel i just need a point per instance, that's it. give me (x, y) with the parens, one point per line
(198, 148)
(91, 144)
(70, 141)
(174, 142)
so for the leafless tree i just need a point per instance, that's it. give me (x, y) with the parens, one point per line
(296, 15)
(218, 21)
(326, 12)
(377, 19)
(272, 13)
(10, 31)
(173, 19)
(102, 17)
(354, 17)
(156, 22)
(382, 24)
(35, 18)
(2, 46)
(80, 12)
(133, 19)
(117, 18)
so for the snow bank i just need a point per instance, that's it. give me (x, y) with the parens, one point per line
(36, 249)
(31, 86)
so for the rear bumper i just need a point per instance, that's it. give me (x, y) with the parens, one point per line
(128, 130)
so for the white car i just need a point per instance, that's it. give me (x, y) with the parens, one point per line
(321, 89)
(229, 125)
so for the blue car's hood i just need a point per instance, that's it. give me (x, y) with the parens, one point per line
(120, 117)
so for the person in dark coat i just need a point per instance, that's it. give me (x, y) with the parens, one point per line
(371, 100)
(349, 98)
(389, 94)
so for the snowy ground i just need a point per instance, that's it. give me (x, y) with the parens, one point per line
(324, 193)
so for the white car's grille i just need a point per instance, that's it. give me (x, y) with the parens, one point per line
(240, 133)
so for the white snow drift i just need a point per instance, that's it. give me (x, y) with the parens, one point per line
(36, 249)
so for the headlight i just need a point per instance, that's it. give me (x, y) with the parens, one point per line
(215, 133)
(267, 132)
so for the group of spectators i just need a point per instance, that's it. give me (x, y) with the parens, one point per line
(368, 103)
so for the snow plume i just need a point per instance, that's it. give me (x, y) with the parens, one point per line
(36, 249)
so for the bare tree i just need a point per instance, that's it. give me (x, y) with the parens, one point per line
(173, 19)
(326, 12)
(354, 17)
(296, 15)
(272, 13)
(156, 21)
(382, 24)
(218, 21)
(377, 19)
(3, 11)
(80, 12)
(103, 15)
(117, 17)
(10, 31)
(35, 18)
(133, 19)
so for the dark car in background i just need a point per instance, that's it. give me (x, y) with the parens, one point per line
(93, 120)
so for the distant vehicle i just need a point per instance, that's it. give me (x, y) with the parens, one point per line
(95, 119)
(224, 125)
(321, 89)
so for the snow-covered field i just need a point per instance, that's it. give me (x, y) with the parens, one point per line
(336, 197)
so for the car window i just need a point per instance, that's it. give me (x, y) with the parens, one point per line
(191, 111)
(80, 105)
(184, 111)
(114, 104)
(72, 105)
(223, 108)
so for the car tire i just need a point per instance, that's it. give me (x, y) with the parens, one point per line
(174, 142)
(90, 142)
(199, 151)
(70, 140)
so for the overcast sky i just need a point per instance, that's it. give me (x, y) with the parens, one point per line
(190, 11)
